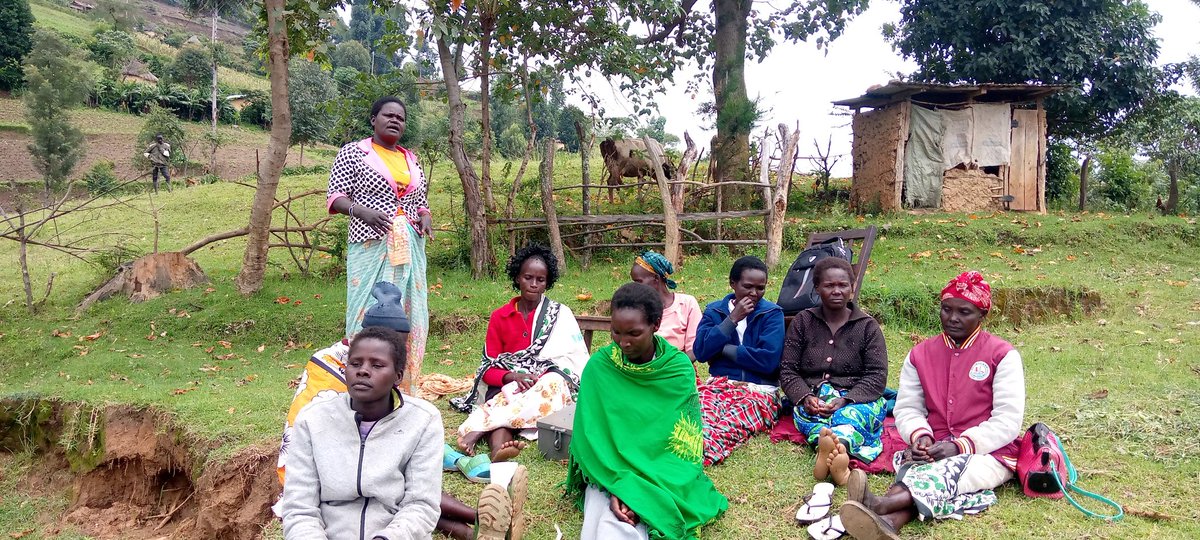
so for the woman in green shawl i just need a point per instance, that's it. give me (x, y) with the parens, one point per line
(637, 450)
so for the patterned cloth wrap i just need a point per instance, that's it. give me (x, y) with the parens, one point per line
(971, 287)
(934, 487)
(859, 424)
(658, 264)
(733, 413)
(534, 359)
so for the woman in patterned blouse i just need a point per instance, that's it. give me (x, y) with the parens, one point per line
(380, 186)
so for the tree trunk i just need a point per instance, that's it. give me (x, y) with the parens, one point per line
(212, 161)
(735, 111)
(22, 257)
(1083, 178)
(783, 179)
(670, 220)
(481, 247)
(686, 162)
(547, 181)
(254, 262)
(1173, 191)
(487, 22)
(585, 150)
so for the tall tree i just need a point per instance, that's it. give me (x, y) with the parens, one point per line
(1104, 50)
(214, 9)
(55, 85)
(16, 40)
(737, 30)
(1167, 128)
(310, 88)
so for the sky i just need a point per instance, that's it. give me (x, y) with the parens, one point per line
(797, 82)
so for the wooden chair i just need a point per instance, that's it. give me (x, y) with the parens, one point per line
(860, 240)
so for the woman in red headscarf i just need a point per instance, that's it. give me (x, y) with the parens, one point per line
(960, 407)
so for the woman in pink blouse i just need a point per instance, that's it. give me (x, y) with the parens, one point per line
(681, 312)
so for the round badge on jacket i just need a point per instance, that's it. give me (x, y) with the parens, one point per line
(979, 371)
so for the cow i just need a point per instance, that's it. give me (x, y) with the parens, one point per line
(628, 158)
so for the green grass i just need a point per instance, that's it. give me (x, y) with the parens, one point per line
(1137, 444)
(61, 19)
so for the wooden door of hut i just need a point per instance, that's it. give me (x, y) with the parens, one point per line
(1026, 155)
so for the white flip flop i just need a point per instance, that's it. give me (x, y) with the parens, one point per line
(816, 504)
(829, 528)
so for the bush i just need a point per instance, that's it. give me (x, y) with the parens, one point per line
(112, 49)
(208, 179)
(175, 38)
(101, 178)
(16, 40)
(192, 67)
(1062, 173)
(56, 84)
(258, 112)
(1123, 183)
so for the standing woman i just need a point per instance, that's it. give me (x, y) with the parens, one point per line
(681, 312)
(380, 186)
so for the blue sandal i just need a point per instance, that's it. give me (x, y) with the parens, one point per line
(477, 469)
(450, 456)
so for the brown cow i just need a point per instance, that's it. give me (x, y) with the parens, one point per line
(628, 158)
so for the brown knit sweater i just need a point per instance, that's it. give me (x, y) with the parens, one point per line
(854, 360)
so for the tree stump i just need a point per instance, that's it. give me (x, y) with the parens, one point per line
(149, 277)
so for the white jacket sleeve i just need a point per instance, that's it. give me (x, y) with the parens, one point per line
(421, 505)
(1008, 410)
(300, 505)
(910, 412)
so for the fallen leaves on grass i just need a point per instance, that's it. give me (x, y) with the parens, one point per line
(135, 355)
(1099, 394)
(1174, 283)
(225, 344)
(59, 333)
(20, 534)
(92, 337)
(225, 356)
(261, 348)
(283, 300)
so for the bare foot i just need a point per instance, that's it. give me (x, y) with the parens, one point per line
(825, 446)
(839, 465)
(507, 451)
(467, 443)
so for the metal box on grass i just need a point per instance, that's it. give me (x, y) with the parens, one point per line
(554, 433)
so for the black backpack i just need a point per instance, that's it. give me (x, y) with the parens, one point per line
(797, 293)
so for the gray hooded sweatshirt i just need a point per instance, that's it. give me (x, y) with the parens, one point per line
(342, 487)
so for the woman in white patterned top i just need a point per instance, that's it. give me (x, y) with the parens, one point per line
(380, 186)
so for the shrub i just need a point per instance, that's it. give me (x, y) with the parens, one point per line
(1124, 183)
(208, 179)
(258, 112)
(112, 49)
(192, 67)
(1062, 173)
(101, 178)
(16, 40)
(56, 84)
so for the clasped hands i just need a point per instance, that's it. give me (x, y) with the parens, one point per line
(927, 451)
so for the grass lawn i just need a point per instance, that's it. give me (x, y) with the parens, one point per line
(61, 19)
(1121, 386)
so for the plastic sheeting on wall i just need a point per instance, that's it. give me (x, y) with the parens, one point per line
(923, 159)
(978, 135)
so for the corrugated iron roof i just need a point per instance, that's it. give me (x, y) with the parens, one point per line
(896, 91)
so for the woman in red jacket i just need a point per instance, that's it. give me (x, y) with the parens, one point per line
(960, 408)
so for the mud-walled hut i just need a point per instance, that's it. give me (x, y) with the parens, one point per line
(949, 147)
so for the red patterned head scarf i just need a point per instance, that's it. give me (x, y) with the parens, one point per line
(971, 287)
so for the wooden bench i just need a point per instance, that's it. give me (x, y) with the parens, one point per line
(860, 240)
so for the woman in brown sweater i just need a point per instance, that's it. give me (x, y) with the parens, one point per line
(834, 369)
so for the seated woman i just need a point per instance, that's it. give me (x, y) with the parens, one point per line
(324, 378)
(636, 449)
(397, 489)
(681, 312)
(961, 407)
(834, 369)
(741, 338)
(531, 362)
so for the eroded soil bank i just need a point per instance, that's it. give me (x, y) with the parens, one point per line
(133, 473)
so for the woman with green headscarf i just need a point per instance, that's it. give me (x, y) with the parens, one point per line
(637, 451)
(681, 313)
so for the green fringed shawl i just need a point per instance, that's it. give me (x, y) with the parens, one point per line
(637, 435)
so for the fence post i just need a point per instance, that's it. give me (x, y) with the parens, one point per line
(778, 204)
(547, 174)
(671, 247)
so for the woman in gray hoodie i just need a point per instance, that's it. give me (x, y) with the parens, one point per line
(390, 488)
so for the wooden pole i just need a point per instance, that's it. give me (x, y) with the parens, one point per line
(585, 150)
(670, 217)
(778, 204)
(547, 173)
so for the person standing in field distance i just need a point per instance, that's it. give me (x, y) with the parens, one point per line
(159, 154)
(379, 185)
